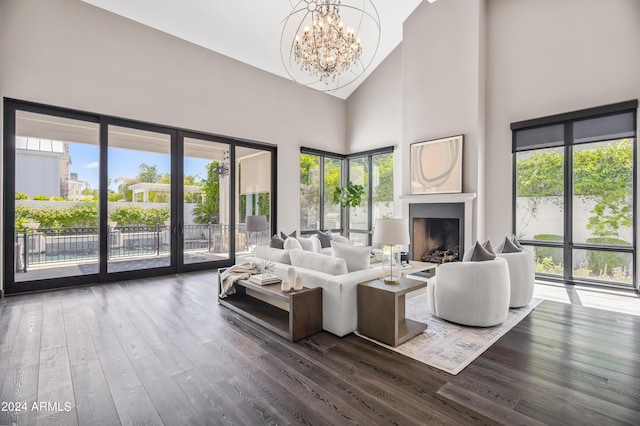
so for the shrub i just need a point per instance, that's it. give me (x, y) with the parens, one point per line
(127, 216)
(78, 216)
(604, 262)
(156, 216)
(555, 254)
(136, 216)
(41, 198)
(21, 196)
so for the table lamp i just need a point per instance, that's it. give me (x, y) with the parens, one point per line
(391, 232)
(256, 224)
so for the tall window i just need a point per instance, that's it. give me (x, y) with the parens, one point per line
(574, 194)
(321, 173)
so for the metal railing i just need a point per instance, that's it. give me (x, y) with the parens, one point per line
(54, 245)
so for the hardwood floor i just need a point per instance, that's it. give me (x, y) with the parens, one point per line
(161, 351)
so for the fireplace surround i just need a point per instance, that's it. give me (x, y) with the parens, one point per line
(442, 219)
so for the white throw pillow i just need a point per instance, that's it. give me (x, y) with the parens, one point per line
(316, 243)
(306, 244)
(357, 258)
(343, 240)
(292, 244)
(272, 254)
(318, 262)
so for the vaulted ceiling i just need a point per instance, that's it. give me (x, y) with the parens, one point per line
(249, 30)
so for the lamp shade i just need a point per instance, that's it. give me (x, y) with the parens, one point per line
(391, 231)
(256, 223)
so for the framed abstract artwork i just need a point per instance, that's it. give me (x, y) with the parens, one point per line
(436, 166)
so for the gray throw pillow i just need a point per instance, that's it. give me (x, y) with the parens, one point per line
(515, 241)
(285, 236)
(478, 254)
(509, 247)
(487, 245)
(277, 242)
(325, 238)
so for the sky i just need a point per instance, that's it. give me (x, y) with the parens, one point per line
(123, 163)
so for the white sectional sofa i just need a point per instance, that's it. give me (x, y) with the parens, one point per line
(339, 291)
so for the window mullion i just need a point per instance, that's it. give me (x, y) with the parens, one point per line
(568, 202)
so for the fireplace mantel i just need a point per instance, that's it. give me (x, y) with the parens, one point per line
(466, 198)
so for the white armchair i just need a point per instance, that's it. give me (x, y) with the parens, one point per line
(471, 293)
(521, 276)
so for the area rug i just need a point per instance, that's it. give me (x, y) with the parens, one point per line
(447, 346)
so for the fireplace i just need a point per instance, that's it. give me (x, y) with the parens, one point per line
(436, 240)
(437, 232)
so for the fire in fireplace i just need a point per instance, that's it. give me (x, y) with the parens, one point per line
(436, 240)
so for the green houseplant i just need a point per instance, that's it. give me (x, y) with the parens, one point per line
(349, 195)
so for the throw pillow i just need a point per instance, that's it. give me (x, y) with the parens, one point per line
(325, 238)
(478, 254)
(272, 254)
(487, 245)
(357, 258)
(509, 247)
(318, 262)
(292, 244)
(340, 239)
(277, 242)
(515, 241)
(285, 236)
(306, 244)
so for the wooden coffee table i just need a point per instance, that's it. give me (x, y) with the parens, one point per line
(381, 310)
(294, 315)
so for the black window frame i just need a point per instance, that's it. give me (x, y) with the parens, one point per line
(345, 163)
(11, 106)
(567, 121)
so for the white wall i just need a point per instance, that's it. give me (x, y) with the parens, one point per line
(71, 54)
(443, 85)
(374, 115)
(47, 179)
(547, 57)
(538, 58)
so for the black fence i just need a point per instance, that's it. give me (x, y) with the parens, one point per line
(53, 245)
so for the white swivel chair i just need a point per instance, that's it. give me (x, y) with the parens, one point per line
(471, 293)
(521, 276)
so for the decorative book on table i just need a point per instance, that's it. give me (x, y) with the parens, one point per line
(264, 279)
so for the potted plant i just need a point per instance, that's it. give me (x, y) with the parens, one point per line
(349, 195)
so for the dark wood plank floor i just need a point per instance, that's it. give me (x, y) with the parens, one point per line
(161, 351)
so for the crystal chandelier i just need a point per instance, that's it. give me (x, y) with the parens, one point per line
(327, 49)
(324, 54)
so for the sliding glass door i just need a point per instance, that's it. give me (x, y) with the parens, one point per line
(206, 201)
(91, 198)
(253, 167)
(139, 199)
(56, 182)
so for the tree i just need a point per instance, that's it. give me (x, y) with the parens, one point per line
(309, 190)
(601, 173)
(207, 210)
(147, 173)
(605, 176)
(383, 192)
